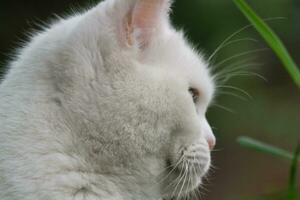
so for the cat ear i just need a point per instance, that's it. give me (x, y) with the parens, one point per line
(143, 21)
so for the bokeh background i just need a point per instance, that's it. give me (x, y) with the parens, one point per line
(271, 114)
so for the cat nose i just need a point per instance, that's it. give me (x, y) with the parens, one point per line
(209, 136)
(211, 143)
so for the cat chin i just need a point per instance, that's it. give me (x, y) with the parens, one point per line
(183, 192)
(186, 168)
(184, 182)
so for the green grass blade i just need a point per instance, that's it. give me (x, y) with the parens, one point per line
(293, 174)
(272, 39)
(263, 147)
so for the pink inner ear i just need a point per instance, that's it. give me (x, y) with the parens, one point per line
(144, 20)
(146, 12)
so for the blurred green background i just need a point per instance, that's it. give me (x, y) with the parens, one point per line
(271, 114)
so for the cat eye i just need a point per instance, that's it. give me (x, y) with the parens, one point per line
(195, 94)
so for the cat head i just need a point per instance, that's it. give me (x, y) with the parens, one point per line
(140, 89)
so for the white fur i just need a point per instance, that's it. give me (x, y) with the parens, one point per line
(87, 115)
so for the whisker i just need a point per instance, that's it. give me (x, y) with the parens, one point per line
(234, 64)
(217, 150)
(228, 44)
(238, 32)
(175, 180)
(238, 56)
(247, 73)
(204, 189)
(172, 165)
(240, 74)
(165, 169)
(224, 108)
(231, 94)
(190, 181)
(187, 170)
(213, 167)
(174, 168)
(193, 193)
(236, 89)
(233, 68)
(227, 40)
(199, 195)
(214, 128)
(178, 183)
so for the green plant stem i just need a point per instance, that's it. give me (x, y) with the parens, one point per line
(272, 39)
(263, 147)
(293, 175)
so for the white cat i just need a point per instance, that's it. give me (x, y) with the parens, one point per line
(106, 105)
